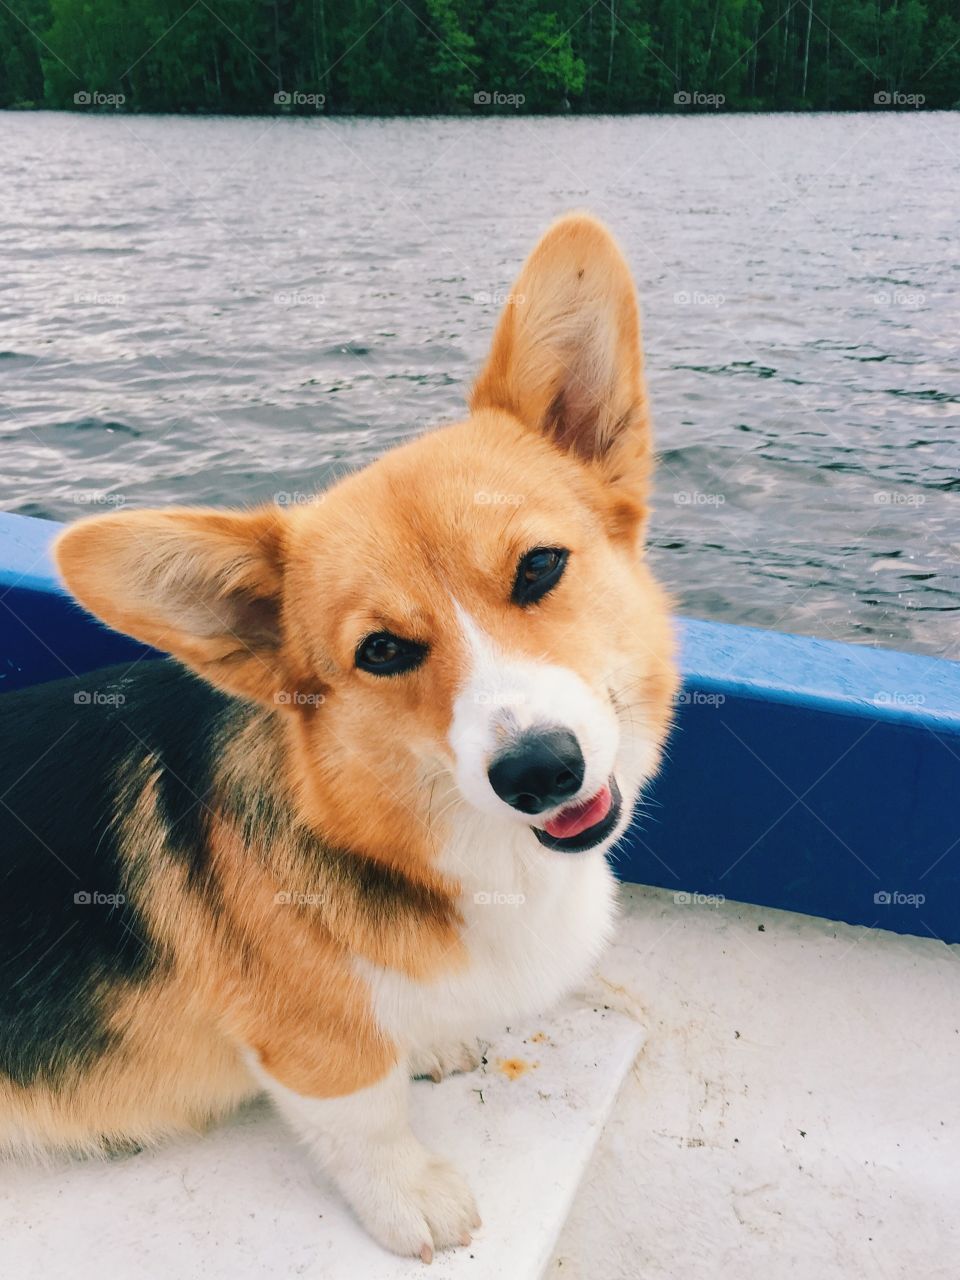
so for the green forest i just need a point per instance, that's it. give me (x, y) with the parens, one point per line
(415, 57)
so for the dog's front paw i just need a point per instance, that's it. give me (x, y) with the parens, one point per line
(417, 1204)
(446, 1060)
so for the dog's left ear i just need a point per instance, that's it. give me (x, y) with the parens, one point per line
(567, 357)
(204, 585)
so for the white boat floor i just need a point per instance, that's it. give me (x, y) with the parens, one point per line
(795, 1111)
(244, 1202)
(792, 1110)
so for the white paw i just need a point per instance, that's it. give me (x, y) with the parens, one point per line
(417, 1203)
(445, 1060)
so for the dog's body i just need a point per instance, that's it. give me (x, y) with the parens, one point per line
(125, 984)
(378, 826)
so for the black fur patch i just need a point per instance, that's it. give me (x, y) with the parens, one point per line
(69, 924)
(379, 894)
(71, 932)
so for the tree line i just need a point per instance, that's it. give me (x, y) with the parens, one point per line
(388, 57)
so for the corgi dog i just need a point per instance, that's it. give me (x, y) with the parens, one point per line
(272, 861)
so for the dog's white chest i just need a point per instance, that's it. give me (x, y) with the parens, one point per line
(534, 923)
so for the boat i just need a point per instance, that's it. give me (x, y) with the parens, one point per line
(791, 905)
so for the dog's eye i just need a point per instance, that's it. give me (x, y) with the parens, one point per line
(384, 654)
(538, 572)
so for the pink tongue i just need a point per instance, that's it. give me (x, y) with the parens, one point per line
(578, 817)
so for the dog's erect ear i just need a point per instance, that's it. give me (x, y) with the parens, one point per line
(566, 356)
(203, 585)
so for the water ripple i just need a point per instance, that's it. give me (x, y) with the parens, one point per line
(198, 310)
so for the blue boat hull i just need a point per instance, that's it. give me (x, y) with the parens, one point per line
(801, 774)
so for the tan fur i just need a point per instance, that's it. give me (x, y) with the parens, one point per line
(567, 356)
(200, 584)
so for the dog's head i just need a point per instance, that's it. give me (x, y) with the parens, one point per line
(470, 620)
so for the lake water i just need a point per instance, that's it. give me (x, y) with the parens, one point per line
(228, 310)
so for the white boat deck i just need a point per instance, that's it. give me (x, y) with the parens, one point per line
(789, 1107)
(795, 1111)
(245, 1203)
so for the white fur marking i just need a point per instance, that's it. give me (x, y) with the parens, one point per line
(535, 920)
(502, 696)
(534, 924)
(409, 1200)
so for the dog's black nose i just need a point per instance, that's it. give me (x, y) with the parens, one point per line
(538, 771)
